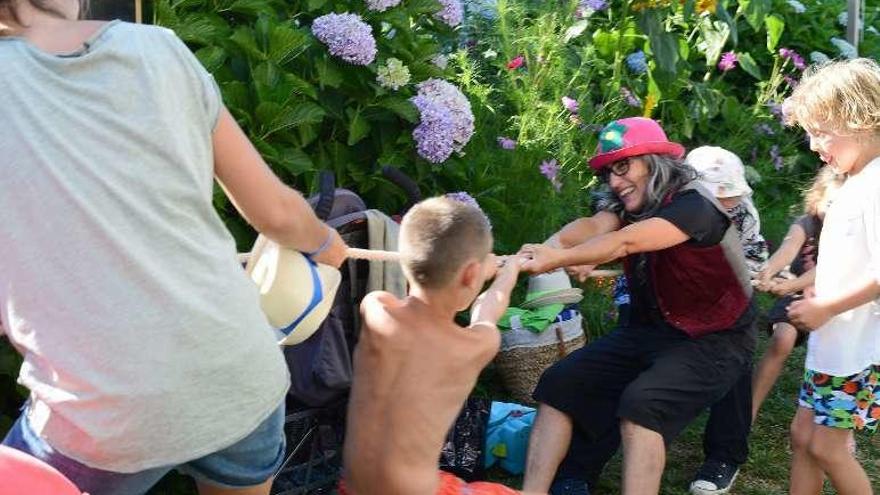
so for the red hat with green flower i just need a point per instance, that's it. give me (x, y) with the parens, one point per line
(632, 136)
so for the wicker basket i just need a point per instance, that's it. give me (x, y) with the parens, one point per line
(525, 355)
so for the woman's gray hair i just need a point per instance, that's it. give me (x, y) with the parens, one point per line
(666, 176)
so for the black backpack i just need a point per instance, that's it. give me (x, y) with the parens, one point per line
(321, 367)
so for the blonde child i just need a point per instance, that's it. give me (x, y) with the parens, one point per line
(797, 256)
(414, 366)
(838, 104)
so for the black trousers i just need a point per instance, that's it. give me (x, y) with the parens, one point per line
(653, 375)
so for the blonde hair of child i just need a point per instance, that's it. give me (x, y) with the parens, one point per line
(841, 97)
(438, 237)
(814, 196)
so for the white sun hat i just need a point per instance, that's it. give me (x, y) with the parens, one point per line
(296, 293)
(551, 288)
(721, 171)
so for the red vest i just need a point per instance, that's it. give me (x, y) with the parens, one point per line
(700, 289)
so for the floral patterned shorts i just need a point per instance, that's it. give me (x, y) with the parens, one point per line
(851, 402)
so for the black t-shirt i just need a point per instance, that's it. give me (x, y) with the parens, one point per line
(809, 252)
(694, 215)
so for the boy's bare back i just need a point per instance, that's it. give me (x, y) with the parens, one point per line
(413, 372)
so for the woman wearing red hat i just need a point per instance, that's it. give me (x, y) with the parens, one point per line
(690, 333)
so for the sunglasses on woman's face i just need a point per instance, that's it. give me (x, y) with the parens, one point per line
(619, 169)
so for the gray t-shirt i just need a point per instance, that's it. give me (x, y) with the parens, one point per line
(142, 337)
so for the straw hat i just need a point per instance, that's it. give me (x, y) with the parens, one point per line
(295, 292)
(551, 288)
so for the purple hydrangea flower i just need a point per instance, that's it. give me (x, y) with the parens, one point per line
(450, 122)
(346, 37)
(457, 104)
(433, 135)
(796, 59)
(728, 62)
(776, 157)
(463, 197)
(570, 104)
(630, 99)
(451, 13)
(381, 5)
(440, 61)
(637, 62)
(550, 170)
(467, 199)
(506, 143)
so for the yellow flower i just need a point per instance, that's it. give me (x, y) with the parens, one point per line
(650, 104)
(706, 6)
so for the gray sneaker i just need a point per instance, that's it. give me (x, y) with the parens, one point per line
(714, 477)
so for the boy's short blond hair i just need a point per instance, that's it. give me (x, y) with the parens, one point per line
(440, 235)
(842, 97)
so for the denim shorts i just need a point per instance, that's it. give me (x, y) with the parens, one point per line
(251, 461)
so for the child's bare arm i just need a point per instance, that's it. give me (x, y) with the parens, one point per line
(272, 207)
(787, 252)
(782, 287)
(492, 303)
(814, 312)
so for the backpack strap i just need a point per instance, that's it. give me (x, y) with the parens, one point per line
(327, 190)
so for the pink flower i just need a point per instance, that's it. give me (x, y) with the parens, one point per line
(570, 104)
(728, 62)
(516, 63)
(796, 59)
(506, 143)
(550, 170)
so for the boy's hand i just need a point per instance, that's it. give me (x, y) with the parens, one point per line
(781, 286)
(809, 314)
(492, 303)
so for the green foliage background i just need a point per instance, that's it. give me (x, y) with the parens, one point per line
(307, 111)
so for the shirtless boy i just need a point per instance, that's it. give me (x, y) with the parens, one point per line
(414, 366)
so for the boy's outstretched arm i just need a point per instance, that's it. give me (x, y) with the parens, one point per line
(814, 312)
(492, 303)
(784, 256)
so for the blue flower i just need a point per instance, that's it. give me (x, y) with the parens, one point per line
(637, 62)
(819, 58)
(845, 49)
(798, 7)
